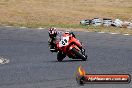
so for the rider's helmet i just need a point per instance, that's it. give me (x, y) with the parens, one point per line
(67, 32)
(52, 32)
(70, 32)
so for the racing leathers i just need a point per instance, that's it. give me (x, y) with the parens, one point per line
(54, 39)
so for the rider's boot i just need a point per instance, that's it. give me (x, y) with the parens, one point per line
(52, 48)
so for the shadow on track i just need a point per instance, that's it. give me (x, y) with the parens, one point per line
(75, 60)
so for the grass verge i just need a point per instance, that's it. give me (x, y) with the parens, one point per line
(74, 27)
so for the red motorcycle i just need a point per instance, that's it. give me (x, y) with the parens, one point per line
(71, 47)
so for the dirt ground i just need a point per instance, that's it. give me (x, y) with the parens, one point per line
(62, 11)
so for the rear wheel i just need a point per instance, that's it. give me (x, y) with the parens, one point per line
(79, 54)
(60, 56)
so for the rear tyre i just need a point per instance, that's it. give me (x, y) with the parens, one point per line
(79, 54)
(60, 56)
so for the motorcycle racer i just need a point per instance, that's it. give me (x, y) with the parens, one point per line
(55, 36)
(71, 47)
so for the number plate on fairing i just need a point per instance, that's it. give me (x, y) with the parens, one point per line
(64, 41)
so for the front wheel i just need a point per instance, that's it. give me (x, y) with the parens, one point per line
(79, 54)
(60, 56)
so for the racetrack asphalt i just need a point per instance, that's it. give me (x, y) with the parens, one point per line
(32, 65)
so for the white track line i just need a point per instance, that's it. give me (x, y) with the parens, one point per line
(40, 28)
(23, 27)
(3, 60)
(114, 33)
(8, 26)
(126, 34)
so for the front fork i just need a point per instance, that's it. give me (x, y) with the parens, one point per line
(81, 49)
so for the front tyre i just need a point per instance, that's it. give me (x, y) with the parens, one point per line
(79, 54)
(60, 56)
